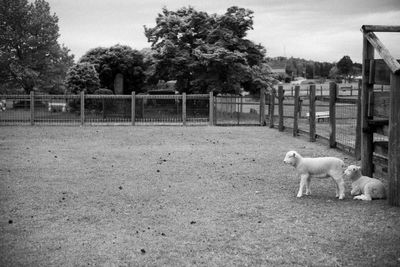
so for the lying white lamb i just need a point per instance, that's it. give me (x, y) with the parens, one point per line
(322, 167)
(364, 187)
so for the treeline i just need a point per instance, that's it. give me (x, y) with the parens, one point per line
(296, 67)
(201, 52)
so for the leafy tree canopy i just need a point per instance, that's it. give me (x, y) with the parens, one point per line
(82, 77)
(117, 59)
(30, 54)
(207, 52)
(345, 66)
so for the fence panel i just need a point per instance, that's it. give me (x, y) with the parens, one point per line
(15, 110)
(158, 110)
(237, 110)
(197, 109)
(346, 121)
(108, 109)
(56, 110)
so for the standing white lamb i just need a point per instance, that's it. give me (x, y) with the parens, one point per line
(364, 187)
(322, 167)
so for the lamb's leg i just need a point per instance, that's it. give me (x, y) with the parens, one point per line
(303, 180)
(336, 188)
(339, 186)
(363, 197)
(308, 189)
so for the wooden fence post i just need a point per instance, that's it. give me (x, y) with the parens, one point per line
(312, 112)
(32, 105)
(394, 141)
(133, 108)
(357, 147)
(211, 109)
(281, 127)
(262, 107)
(272, 108)
(367, 146)
(82, 107)
(296, 110)
(332, 114)
(184, 109)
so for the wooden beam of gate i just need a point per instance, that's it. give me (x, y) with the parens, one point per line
(391, 62)
(380, 28)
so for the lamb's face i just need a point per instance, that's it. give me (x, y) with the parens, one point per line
(291, 158)
(352, 172)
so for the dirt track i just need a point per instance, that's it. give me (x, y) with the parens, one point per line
(178, 196)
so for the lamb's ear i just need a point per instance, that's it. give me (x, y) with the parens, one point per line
(294, 155)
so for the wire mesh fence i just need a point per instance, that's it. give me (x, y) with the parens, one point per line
(82, 109)
(16, 110)
(237, 110)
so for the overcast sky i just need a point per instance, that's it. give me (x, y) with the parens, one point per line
(321, 30)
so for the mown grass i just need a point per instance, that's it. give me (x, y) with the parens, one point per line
(178, 196)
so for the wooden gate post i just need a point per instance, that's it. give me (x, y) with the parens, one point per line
(262, 106)
(394, 141)
(272, 108)
(312, 112)
(367, 146)
(82, 107)
(357, 149)
(133, 108)
(296, 110)
(211, 109)
(332, 114)
(280, 107)
(184, 109)
(32, 106)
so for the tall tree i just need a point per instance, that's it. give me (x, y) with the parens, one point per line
(206, 52)
(30, 54)
(345, 66)
(117, 59)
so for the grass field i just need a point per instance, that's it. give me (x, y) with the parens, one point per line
(178, 196)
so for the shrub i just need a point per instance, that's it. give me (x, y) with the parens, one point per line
(82, 77)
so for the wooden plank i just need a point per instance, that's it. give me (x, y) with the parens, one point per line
(381, 148)
(32, 106)
(357, 148)
(272, 108)
(380, 126)
(380, 28)
(280, 107)
(332, 114)
(390, 61)
(346, 100)
(312, 113)
(211, 109)
(133, 108)
(381, 104)
(371, 79)
(296, 110)
(82, 108)
(184, 109)
(381, 71)
(394, 141)
(262, 107)
(367, 135)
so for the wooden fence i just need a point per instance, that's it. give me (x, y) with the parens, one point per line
(319, 121)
